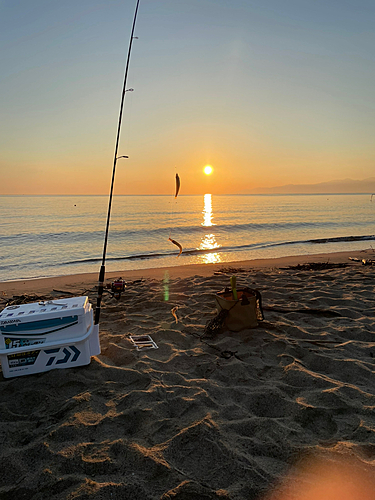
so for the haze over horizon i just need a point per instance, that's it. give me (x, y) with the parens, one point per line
(270, 94)
(338, 186)
(343, 186)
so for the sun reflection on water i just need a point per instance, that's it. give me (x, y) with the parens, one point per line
(207, 211)
(209, 240)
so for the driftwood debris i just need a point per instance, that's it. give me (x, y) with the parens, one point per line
(65, 292)
(316, 266)
(25, 299)
(365, 262)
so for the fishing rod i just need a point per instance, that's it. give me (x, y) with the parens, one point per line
(102, 268)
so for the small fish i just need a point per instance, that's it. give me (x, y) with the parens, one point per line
(173, 312)
(178, 183)
(177, 245)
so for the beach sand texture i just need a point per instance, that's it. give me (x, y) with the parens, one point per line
(197, 418)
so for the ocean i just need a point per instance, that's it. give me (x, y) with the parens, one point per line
(60, 235)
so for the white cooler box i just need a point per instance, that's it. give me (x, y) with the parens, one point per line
(46, 335)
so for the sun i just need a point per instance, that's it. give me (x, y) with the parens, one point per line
(208, 169)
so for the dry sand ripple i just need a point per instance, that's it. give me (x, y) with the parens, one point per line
(199, 418)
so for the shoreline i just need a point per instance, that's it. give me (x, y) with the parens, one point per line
(42, 285)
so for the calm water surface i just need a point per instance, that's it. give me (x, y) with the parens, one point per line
(59, 235)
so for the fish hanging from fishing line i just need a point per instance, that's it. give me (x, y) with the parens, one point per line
(177, 245)
(177, 185)
(174, 311)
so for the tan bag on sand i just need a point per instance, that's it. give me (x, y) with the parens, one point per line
(242, 313)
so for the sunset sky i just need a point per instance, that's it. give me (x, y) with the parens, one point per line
(267, 92)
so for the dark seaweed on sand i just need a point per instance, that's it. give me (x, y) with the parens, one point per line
(316, 266)
(24, 299)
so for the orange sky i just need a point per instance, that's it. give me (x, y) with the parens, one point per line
(268, 94)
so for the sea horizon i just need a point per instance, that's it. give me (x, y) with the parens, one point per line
(369, 193)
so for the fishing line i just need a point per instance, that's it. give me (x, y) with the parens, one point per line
(174, 203)
(127, 128)
(178, 183)
(166, 275)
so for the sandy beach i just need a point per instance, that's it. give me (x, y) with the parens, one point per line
(222, 417)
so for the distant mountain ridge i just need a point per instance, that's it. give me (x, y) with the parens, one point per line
(365, 186)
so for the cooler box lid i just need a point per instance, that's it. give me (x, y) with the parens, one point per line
(51, 315)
